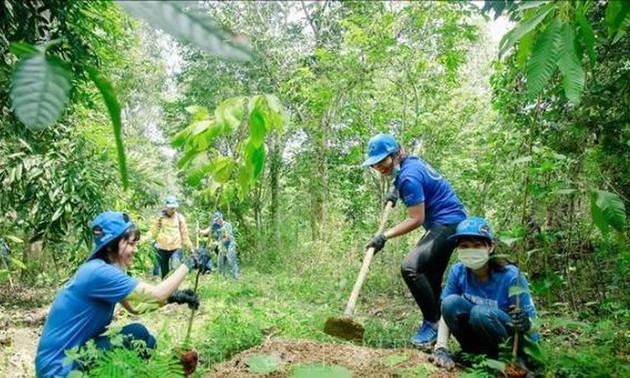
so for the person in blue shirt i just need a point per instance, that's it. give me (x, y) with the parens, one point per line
(84, 307)
(223, 233)
(430, 202)
(476, 306)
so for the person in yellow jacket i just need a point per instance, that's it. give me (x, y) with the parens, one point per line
(171, 233)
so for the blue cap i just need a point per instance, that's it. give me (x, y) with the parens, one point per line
(171, 201)
(216, 216)
(473, 226)
(380, 146)
(108, 226)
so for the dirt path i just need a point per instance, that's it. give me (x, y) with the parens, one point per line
(19, 334)
(286, 356)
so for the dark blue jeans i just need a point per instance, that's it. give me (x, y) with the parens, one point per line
(479, 329)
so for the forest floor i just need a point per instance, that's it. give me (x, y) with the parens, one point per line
(275, 323)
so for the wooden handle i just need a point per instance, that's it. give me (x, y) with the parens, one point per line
(366, 263)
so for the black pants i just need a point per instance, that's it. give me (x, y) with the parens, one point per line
(163, 259)
(424, 267)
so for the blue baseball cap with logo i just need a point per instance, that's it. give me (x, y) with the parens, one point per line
(380, 146)
(475, 227)
(217, 215)
(106, 227)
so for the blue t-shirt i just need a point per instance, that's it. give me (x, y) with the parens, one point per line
(418, 182)
(494, 292)
(82, 310)
(224, 233)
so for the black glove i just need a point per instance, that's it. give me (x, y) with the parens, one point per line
(441, 357)
(193, 262)
(519, 319)
(392, 197)
(185, 296)
(378, 242)
(202, 256)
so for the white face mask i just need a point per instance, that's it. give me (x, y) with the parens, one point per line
(473, 258)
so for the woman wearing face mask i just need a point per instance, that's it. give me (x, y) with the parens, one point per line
(430, 202)
(476, 306)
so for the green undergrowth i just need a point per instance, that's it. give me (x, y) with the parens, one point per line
(238, 315)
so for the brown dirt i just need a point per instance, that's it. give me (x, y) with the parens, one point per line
(361, 361)
(19, 335)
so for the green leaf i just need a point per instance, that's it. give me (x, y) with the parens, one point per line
(608, 210)
(524, 27)
(494, 364)
(189, 27)
(262, 363)
(199, 127)
(321, 370)
(23, 49)
(524, 49)
(18, 263)
(570, 65)
(109, 95)
(517, 290)
(542, 63)
(40, 88)
(587, 36)
(4, 274)
(188, 157)
(222, 168)
(197, 112)
(180, 138)
(244, 177)
(257, 123)
(230, 113)
(617, 19)
(256, 158)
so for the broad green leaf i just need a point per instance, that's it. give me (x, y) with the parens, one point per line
(109, 95)
(18, 263)
(542, 63)
(180, 138)
(494, 364)
(188, 157)
(608, 210)
(256, 157)
(222, 168)
(524, 49)
(517, 290)
(570, 65)
(257, 123)
(532, 349)
(189, 27)
(23, 49)
(195, 176)
(197, 112)
(40, 88)
(198, 127)
(524, 27)
(587, 36)
(529, 4)
(321, 370)
(617, 19)
(4, 274)
(244, 177)
(262, 363)
(230, 113)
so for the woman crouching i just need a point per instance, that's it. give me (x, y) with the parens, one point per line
(84, 307)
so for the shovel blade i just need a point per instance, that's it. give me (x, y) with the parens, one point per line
(344, 327)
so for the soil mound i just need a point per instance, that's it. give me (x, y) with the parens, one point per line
(281, 358)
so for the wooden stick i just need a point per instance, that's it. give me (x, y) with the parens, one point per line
(366, 264)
